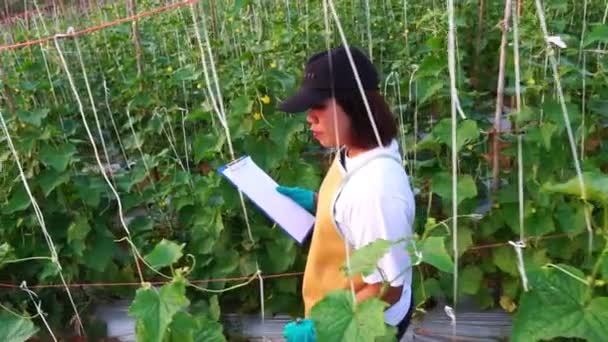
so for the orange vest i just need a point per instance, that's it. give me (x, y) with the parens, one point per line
(327, 252)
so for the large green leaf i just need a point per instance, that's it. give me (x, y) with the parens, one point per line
(154, 309)
(504, 257)
(442, 186)
(466, 132)
(207, 145)
(164, 254)
(209, 331)
(49, 179)
(599, 33)
(15, 329)
(57, 157)
(18, 201)
(182, 327)
(365, 259)
(556, 307)
(433, 252)
(34, 117)
(336, 318)
(596, 187)
(77, 233)
(469, 281)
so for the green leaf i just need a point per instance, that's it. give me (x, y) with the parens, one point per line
(365, 259)
(78, 230)
(49, 179)
(466, 132)
(556, 307)
(35, 117)
(209, 331)
(155, 309)
(18, 201)
(57, 157)
(186, 73)
(540, 223)
(207, 145)
(546, 130)
(182, 328)
(336, 318)
(15, 329)
(100, 253)
(469, 281)
(77, 233)
(427, 91)
(164, 254)
(597, 34)
(214, 308)
(504, 258)
(596, 187)
(240, 106)
(571, 218)
(434, 253)
(442, 186)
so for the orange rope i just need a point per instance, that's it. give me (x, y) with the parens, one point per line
(200, 281)
(269, 276)
(99, 27)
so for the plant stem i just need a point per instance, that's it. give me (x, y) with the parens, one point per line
(600, 258)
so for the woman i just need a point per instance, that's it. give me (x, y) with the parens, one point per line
(365, 194)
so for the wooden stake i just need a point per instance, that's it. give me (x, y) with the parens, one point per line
(500, 89)
(480, 16)
(131, 7)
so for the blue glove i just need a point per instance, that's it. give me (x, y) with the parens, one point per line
(300, 330)
(305, 198)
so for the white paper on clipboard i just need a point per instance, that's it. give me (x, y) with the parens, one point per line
(260, 188)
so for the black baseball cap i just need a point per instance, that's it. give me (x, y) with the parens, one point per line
(331, 69)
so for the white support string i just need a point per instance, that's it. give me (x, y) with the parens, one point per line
(95, 151)
(337, 137)
(40, 218)
(560, 95)
(219, 109)
(355, 71)
(38, 305)
(518, 246)
(107, 102)
(454, 106)
(520, 162)
(93, 107)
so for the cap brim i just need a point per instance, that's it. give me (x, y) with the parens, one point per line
(303, 100)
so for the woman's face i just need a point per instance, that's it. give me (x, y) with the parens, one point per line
(329, 124)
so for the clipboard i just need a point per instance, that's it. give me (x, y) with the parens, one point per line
(260, 188)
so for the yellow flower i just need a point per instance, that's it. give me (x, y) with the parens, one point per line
(273, 65)
(265, 99)
(257, 116)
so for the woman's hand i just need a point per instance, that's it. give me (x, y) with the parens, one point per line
(390, 296)
(305, 198)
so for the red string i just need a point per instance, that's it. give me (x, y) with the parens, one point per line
(101, 26)
(200, 281)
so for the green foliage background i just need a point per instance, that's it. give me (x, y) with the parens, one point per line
(188, 223)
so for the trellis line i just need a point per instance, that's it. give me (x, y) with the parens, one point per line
(6, 285)
(113, 284)
(100, 26)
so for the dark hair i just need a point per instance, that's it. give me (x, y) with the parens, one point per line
(362, 134)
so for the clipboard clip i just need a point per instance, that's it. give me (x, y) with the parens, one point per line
(231, 164)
